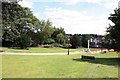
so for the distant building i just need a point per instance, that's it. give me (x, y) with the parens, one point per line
(95, 40)
(68, 36)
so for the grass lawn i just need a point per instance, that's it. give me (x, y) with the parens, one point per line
(0, 66)
(62, 66)
(40, 50)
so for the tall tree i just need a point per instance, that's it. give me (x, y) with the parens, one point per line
(75, 41)
(114, 30)
(60, 38)
(17, 21)
(58, 32)
(46, 31)
(9, 16)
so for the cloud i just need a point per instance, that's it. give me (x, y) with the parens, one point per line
(76, 21)
(93, 1)
(111, 5)
(26, 3)
(71, 2)
(37, 14)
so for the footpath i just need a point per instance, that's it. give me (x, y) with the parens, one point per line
(61, 53)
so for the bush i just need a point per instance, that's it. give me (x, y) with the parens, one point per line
(67, 45)
(56, 45)
(47, 46)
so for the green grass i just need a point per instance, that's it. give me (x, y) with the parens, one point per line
(63, 66)
(0, 66)
(40, 50)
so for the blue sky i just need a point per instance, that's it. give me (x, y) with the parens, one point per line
(75, 16)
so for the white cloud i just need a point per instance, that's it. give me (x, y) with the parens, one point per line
(37, 14)
(94, 1)
(111, 5)
(79, 21)
(77, 1)
(76, 21)
(26, 3)
(70, 2)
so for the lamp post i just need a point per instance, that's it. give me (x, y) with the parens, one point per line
(68, 50)
(68, 45)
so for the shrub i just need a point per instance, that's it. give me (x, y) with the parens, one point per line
(56, 45)
(47, 46)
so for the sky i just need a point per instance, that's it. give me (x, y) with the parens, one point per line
(75, 16)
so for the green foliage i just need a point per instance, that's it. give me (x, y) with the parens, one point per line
(85, 39)
(49, 41)
(58, 35)
(60, 38)
(23, 42)
(46, 31)
(114, 30)
(75, 41)
(9, 16)
(18, 20)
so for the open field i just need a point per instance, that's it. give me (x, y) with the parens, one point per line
(40, 50)
(62, 66)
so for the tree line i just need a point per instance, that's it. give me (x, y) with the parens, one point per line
(20, 28)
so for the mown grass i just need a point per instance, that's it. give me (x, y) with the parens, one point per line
(0, 66)
(62, 66)
(40, 50)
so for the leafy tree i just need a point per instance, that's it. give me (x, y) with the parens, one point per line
(114, 30)
(60, 38)
(57, 33)
(9, 16)
(85, 39)
(46, 31)
(23, 42)
(17, 20)
(75, 41)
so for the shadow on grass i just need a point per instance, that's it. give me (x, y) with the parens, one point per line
(103, 61)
